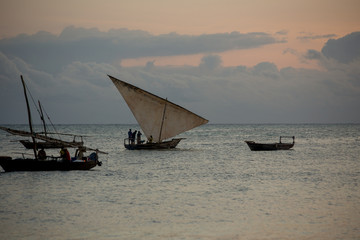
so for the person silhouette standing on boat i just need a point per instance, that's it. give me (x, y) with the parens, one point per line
(133, 137)
(130, 134)
(138, 139)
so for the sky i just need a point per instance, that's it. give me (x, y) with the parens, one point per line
(230, 61)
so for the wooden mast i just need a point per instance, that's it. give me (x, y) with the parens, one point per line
(29, 117)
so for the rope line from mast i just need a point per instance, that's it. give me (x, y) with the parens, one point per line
(38, 110)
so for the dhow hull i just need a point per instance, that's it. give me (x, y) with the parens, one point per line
(22, 164)
(154, 146)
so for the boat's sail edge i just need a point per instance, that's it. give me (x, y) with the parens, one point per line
(140, 106)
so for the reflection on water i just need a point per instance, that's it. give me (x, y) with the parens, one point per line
(211, 187)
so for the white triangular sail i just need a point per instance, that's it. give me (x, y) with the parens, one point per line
(156, 116)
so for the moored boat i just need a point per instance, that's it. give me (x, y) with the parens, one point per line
(41, 162)
(254, 146)
(48, 144)
(152, 146)
(46, 141)
(49, 164)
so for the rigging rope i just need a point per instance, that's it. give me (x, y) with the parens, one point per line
(44, 111)
(51, 123)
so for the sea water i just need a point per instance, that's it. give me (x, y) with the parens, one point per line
(210, 187)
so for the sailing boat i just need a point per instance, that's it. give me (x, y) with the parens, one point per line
(52, 144)
(47, 142)
(43, 163)
(158, 118)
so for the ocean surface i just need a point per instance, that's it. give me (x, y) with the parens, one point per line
(211, 187)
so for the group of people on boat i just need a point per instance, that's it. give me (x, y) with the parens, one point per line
(65, 155)
(136, 134)
(79, 155)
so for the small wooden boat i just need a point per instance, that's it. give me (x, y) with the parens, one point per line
(158, 118)
(49, 144)
(152, 146)
(41, 162)
(49, 164)
(271, 146)
(46, 141)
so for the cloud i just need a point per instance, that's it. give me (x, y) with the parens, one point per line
(210, 62)
(49, 52)
(282, 32)
(312, 54)
(314, 37)
(80, 92)
(345, 49)
(340, 55)
(266, 69)
(150, 64)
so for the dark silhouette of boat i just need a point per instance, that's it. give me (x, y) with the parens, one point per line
(47, 144)
(52, 164)
(254, 146)
(152, 146)
(46, 141)
(45, 163)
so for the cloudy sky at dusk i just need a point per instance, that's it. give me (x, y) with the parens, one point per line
(230, 61)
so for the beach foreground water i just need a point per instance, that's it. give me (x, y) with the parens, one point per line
(211, 187)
